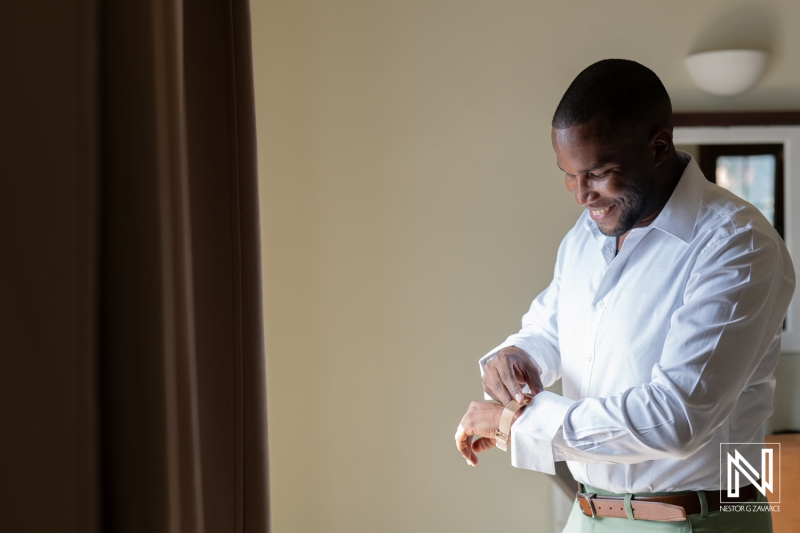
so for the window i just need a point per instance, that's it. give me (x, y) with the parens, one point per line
(751, 171)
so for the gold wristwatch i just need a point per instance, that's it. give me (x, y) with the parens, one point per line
(504, 431)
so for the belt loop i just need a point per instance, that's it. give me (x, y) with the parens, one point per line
(628, 507)
(701, 494)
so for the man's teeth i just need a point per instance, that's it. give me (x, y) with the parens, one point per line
(600, 211)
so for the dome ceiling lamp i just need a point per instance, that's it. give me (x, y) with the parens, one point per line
(727, 72)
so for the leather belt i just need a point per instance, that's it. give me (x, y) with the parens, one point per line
(670, 508)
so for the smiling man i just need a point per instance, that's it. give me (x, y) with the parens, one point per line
(663, 321)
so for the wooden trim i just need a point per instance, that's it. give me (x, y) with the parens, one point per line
(749, 118)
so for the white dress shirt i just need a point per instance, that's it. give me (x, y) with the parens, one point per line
(664, 351)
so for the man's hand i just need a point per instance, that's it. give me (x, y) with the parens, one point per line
(506, 371)
(482, 419)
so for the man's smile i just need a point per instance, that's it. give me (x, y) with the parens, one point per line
(599, 214)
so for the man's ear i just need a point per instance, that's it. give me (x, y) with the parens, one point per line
(661, 144)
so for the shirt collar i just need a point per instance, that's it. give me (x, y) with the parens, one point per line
(679, 215)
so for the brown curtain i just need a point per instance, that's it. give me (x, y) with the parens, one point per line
(132, 380)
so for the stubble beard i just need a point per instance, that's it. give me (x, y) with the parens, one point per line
(633, 211)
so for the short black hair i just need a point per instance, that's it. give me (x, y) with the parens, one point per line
(623, 92)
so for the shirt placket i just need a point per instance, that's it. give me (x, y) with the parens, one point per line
(600, 303)
(596, 316)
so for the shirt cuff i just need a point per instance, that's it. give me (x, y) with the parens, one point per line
(533, 432)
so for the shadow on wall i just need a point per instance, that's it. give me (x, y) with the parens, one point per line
(745, 27)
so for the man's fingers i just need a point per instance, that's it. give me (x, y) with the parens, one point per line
(511, 384)
(531, 379)
(480, 421)
(535, 383)
(464, 445)
(490, 378)
(482, 444)
(495, 384)
(505, 374)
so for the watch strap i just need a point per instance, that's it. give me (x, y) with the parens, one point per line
(503, 433)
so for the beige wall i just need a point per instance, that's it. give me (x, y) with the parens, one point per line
(411, 210)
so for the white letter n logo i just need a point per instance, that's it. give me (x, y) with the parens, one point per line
(738, 464)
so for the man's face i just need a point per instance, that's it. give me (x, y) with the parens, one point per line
(609, 174)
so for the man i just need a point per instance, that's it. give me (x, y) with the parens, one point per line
(663, 320)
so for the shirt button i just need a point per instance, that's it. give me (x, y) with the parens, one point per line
(589, 358)
(600, 304)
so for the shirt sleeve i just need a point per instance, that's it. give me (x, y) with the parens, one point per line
(733, 308)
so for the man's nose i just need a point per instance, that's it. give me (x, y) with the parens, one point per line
(582, 190)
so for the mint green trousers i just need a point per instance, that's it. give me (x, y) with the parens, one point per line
(744, 521)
